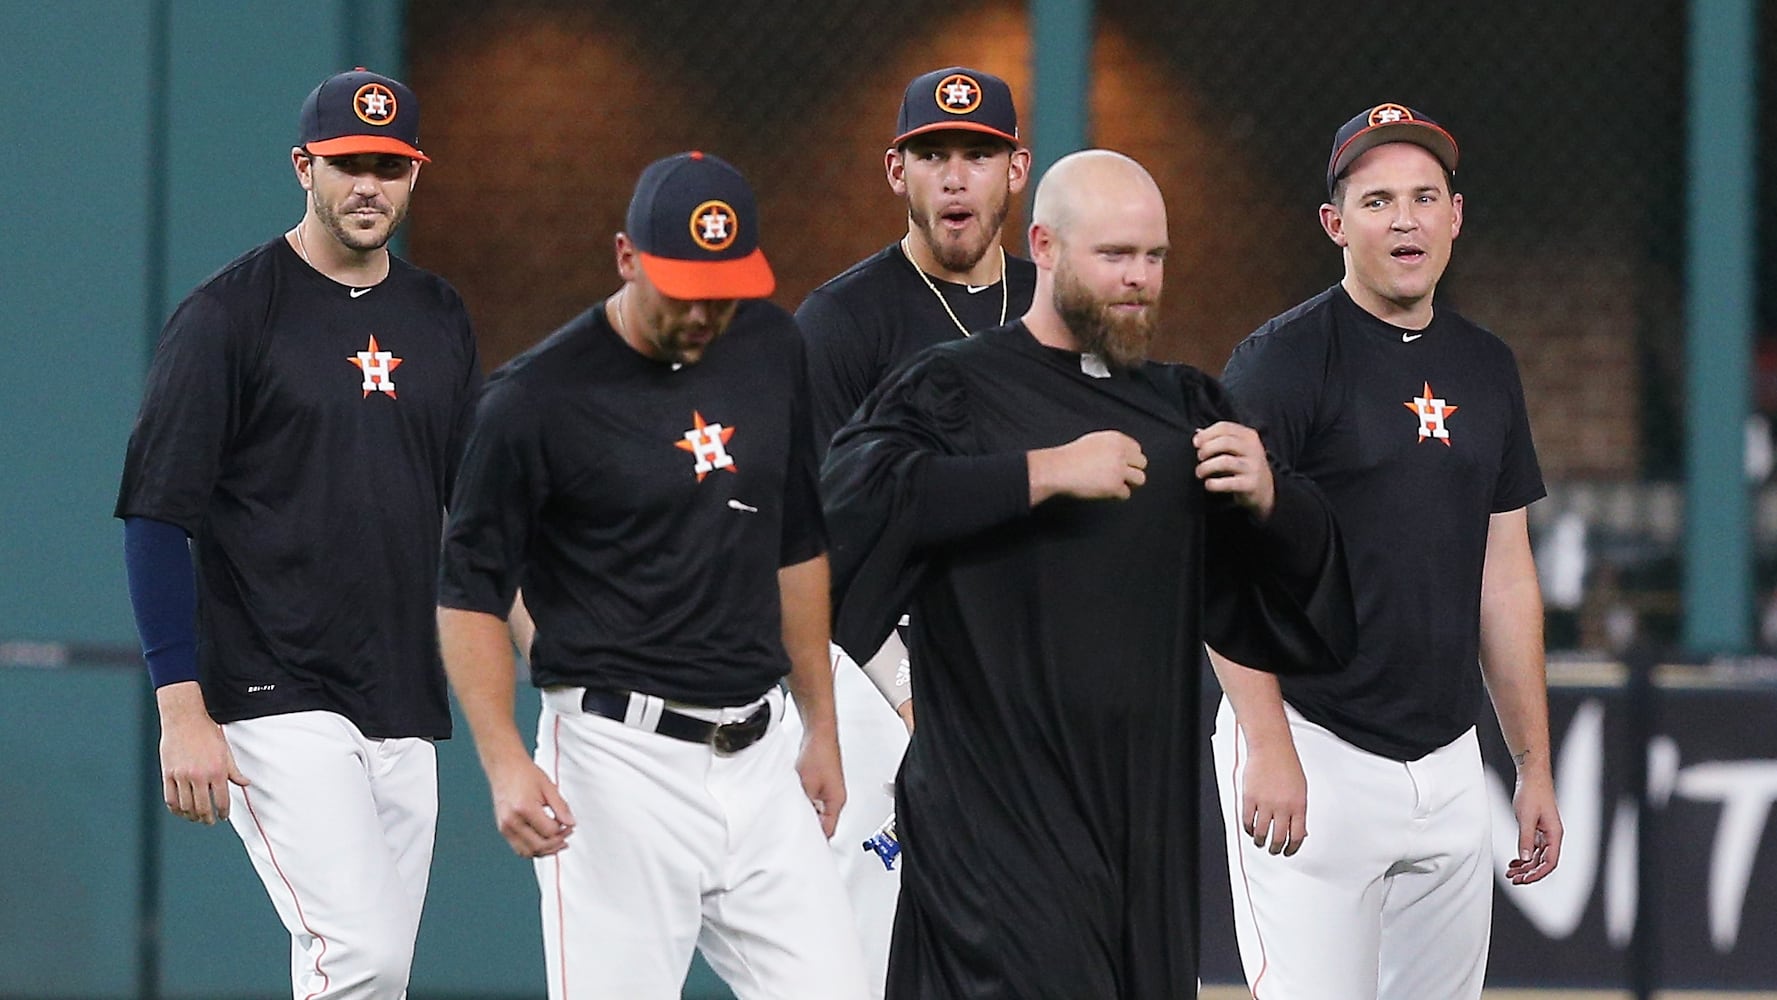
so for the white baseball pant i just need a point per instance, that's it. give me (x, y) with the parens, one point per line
(680, 848)
(872, 739)
(340, 828)
(1391, 894)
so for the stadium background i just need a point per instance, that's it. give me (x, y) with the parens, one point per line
(145, 144)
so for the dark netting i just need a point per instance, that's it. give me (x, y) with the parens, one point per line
(1571, 118)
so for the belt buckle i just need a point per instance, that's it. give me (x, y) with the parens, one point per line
(733, 737)
(722, 740)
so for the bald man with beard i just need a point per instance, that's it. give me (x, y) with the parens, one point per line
(1067, 522)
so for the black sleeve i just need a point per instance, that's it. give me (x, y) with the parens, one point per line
(493, 511)
(1277, 593)
(900, 479)
(804, 531)
(191, 408)
(467, 395)
(1520, 481)
(842, 363)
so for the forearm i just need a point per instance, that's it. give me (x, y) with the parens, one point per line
(802, 588)
(163, 595)
(1512, 641)
(477, 651)
(181, 703)
(1512, 663)
(522, 629)
(888, 672)
(1257, 700)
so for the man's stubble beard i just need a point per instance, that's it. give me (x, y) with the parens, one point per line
(959, 256)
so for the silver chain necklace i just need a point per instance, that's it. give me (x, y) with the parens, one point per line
(1005, 294)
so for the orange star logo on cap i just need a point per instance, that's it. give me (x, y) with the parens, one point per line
(1384, 114)
(959, 94)
(375, 104)
(713, 225)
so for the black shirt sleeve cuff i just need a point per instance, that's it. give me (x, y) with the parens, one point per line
(1299, 529)
(960, 495)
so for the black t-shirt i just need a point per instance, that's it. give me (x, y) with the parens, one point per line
(1048, 800)
(306, 435)
(646, 507)
(878, 313)
(1416, 437)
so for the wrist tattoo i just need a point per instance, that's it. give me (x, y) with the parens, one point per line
(1520, 757)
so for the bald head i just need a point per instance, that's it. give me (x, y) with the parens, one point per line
(1098, 237)
(1089, 182)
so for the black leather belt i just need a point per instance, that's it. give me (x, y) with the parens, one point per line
(729, 737)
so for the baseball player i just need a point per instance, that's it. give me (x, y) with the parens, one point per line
(1355, 806)
(648, 472)
(957, 161)
(1066, 521)
(282, 498)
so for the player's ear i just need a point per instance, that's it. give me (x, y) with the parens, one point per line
(895, 165)
(1333, 222)
(303, 164)
(1043, 245)
(414, 176)
(1018, 170)
(628, 267)
(1456, 222)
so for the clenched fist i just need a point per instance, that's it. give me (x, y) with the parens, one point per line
(1102, 465)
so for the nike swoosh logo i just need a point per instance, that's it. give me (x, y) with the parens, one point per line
(1408, 338)
(978, 289)
(737, 505)
(361, 291)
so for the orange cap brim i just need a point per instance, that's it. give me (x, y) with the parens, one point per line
(746, 277)
(352, 145)
(959, 126)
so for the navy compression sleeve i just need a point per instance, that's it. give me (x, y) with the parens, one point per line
(163, 593)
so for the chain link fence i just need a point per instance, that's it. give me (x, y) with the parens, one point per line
(1571, 118)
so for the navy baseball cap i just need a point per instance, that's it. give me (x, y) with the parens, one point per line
(1388, 123)
(361, 112)
(696, 225)
(957, 97)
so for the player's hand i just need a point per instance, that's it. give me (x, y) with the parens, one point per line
(196, 765)
(1539, 825)
(1102, 465)
(529, 809)
(1274, 799)
(1231, 459)
(823, 780)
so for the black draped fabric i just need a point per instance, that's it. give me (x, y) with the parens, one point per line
(1048, 800)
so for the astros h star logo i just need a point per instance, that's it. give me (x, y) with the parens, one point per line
(1388, 114)
(1433, 413)
(959, 94)
(709, 444)
(375, 104)
(378, 366)
(714, 225)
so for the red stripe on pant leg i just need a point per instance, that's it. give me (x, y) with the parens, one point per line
(326, 980)
(1240, 856)
(561, 925)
